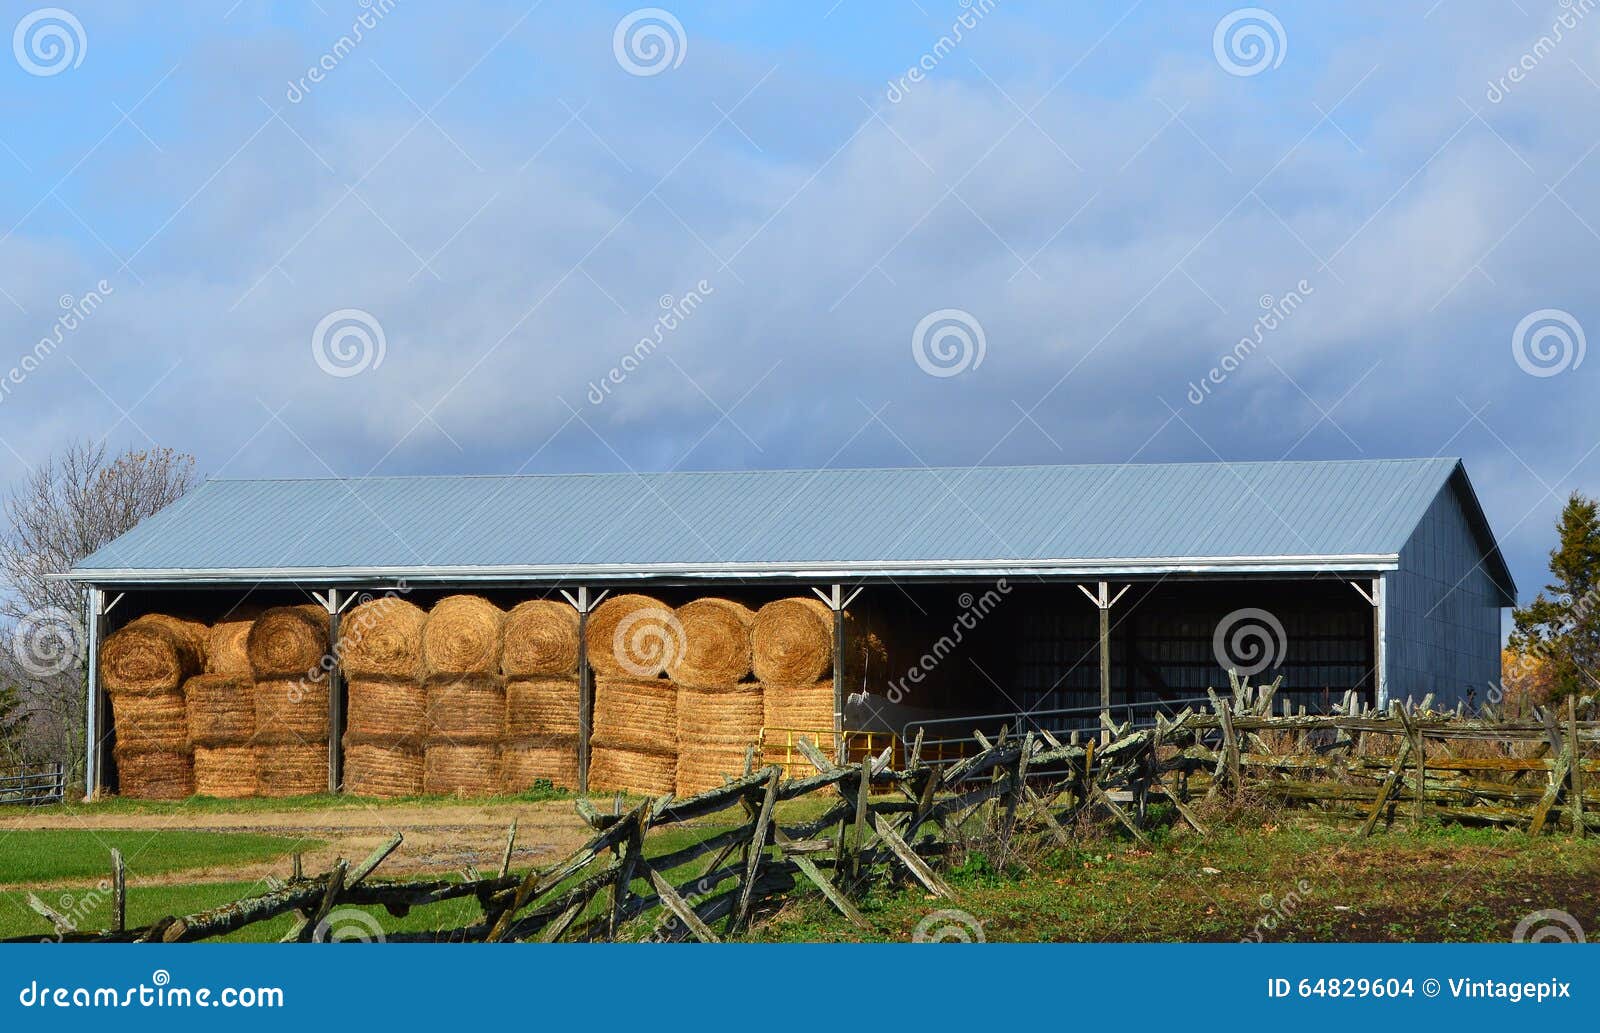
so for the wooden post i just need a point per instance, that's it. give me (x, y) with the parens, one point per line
(584, 603)
(119, 891)
(837, 601)
(1575, 775)
(335, 696)
(1104, 600)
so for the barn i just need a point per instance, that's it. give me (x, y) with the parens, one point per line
(958, 598)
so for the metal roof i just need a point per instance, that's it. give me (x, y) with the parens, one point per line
(1293, 516)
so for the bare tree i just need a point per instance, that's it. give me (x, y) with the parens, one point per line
(70, 505)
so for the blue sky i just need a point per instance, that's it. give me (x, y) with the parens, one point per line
(1108, 190)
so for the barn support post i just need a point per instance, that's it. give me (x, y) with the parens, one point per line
(91, 714)
(334, 671)
(1103, 599)
(1377, 597)
(837, 601)
(584, 603)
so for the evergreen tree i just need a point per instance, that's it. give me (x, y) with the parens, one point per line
(1562, 625)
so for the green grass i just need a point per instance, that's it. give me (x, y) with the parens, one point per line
(256, 805)
(48, 856)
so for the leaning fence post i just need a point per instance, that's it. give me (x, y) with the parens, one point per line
(119, 891)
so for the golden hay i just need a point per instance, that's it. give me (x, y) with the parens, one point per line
(382, 771)
(636, 712)
(288, 640)
(150, 722)
(633, 636)
(154, 774)
(466, 711)
(538, 707)
(792, 641)
(541, 638)
(730, 716)
(291, 709)
(709, 767)
(632, 769)
(226, 772)
(462, 636)
(523, 763)
(387, 710)
(382, 638)
(222, 710)
(292, 768)
(797, 708)
(153, 653)
(461, 770)
(716, 643)
(227, 646)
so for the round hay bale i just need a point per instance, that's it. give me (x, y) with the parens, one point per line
(541, 638)
(636, 712)
(153, 653)
(382, 638)
(147, 722)
(458, 769)
(292, 768)
(631, 769)
(466, 711)
(727, 717)
(227, 645)
(222, 710)
(797, 708)
(792, 641)
(226, 772)
(287, 641)
(716, 643)
(382, 771)
(706, 768)
(633, 636)
(462, 637)
(541, 707)
(144, 774)
(387, 710)
(291, 709)
(525, 762)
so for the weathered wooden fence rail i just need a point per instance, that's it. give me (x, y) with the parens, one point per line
(873, 822)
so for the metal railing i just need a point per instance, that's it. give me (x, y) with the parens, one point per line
(949, 739)
(32, 788)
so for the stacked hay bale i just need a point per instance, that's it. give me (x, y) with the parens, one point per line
(719, 714)
(222, 726)
(286, 646)
(792, 653)
(634, 746)
(143, 668)
(466, 696)
(380, 652)
(539, 659)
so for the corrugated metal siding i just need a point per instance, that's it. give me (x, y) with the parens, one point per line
(1443, 610)
(791, 516)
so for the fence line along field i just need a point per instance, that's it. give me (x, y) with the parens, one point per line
(650, 870)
